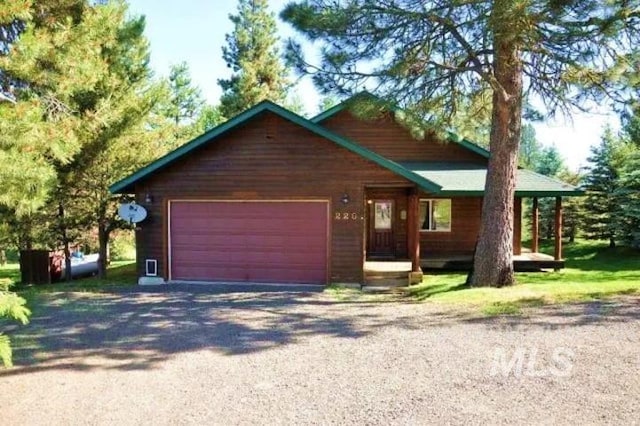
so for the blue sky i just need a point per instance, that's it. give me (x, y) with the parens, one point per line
(194, 31)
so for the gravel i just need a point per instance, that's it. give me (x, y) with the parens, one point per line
(215, 355)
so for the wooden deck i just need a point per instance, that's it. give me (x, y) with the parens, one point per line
(525, 262)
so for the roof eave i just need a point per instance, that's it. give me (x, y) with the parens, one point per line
(480, 193)
(126, 185)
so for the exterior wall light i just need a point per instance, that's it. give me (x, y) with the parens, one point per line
(345, 198)
(148, 198)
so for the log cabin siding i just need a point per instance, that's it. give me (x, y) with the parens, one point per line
(270, 159)
(391, 140)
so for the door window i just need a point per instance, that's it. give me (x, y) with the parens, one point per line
(382, 214)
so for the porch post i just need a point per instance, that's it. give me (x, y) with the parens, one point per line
(413, 230)
(517, 226)
(558, 230)
(534, 225)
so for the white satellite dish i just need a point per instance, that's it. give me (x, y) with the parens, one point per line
(132, 212)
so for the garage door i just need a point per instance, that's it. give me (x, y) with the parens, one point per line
(284, 242)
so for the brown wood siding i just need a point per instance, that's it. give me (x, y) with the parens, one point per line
(269, 159)
(393, 141)
(465, 226)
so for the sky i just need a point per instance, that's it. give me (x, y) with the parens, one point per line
(194, 31)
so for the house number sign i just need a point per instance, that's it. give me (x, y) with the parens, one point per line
(346, 216)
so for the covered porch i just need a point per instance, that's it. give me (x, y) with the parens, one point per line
(418, 250)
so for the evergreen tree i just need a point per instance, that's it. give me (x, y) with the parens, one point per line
(184, 104)
(601, 206)
(530, 148)
(209, 118)
(427, 56)
(52, 66)
(253, 57)
(571, 206)
(628, 192)
(628, 196)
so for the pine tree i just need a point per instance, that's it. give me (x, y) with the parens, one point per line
(53, 67)
(209, 118)
(530, 148)
(183, 105)
(628, 196)
(628, 193)
(252, 54)
(601, 182)
(427, 56)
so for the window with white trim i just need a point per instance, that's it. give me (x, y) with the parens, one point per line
(435, 215)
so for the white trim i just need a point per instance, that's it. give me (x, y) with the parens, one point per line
(430, 200)
(148, 262)
(327, 201)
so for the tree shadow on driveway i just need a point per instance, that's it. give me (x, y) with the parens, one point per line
(138, 328)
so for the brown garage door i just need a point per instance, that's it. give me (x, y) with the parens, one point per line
(284, 242)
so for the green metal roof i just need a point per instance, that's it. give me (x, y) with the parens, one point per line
(451, 136)
(127, 184)
(469, 179)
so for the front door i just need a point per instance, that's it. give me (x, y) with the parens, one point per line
(381, 242)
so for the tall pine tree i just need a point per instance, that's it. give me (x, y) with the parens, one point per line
(252, 54)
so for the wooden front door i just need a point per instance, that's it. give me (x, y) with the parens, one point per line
(381, 242)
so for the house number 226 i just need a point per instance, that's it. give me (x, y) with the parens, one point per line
(345, 216)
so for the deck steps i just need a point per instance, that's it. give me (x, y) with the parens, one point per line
(386, 278)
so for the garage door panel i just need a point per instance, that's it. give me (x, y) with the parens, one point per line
(249, 241)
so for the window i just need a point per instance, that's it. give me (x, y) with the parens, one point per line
(383, 211)
(435, 215)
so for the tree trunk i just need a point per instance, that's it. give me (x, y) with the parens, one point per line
(103, 250)
(612, 243)
(65, 243)
(67, 261)
(493, 260)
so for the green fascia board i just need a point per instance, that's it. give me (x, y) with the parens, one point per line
(466, 143)
(126, 183)
(525, 194)
(451, 136)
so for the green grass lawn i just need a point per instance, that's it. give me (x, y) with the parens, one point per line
(593, 272)
(119, 274)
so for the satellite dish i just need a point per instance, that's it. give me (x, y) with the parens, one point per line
(132, 212)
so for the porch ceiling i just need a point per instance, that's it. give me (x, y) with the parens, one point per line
(461, 179)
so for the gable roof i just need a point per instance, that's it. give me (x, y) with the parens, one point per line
(127, 184)
(346, 104)
(439, 178)
(467, 179)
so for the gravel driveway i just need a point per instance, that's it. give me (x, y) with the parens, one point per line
(204, 355)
